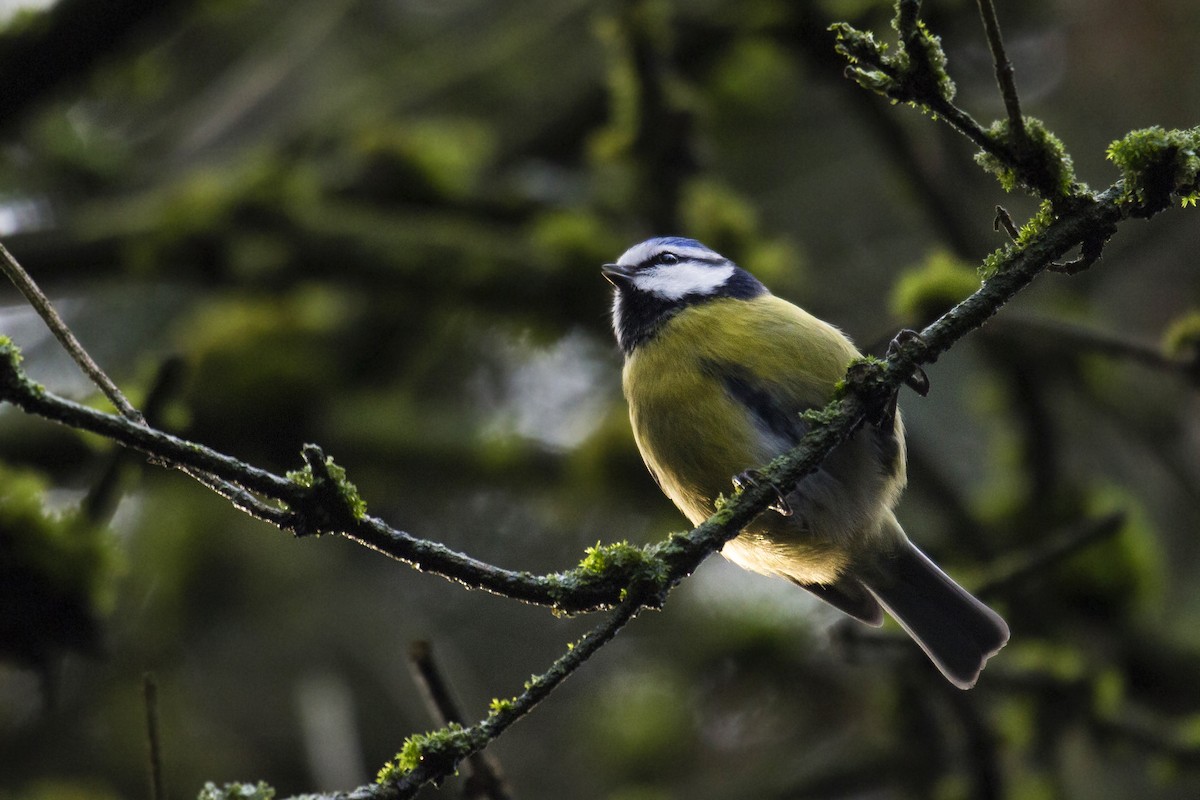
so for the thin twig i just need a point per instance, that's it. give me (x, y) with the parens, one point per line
(101, 500)
(1066, 335)
(484, 778)
(1004, 221)
(150, 692)
(1058, 548)
(1004, 69)
(920, 79)
(908, 14)
(428, 676)
(37, 298)
(1151, 736)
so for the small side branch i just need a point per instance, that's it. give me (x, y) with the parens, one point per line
(911, 75)
(439, 755)
(1004, 69)
(41, 303)
(484, 779)
(1021, 152)
(150, 693)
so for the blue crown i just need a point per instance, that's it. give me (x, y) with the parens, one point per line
(678, 241)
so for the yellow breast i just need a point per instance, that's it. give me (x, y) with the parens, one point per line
(692, 432)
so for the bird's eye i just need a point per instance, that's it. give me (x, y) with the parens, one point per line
(667, 258)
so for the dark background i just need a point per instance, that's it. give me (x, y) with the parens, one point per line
(377, 225)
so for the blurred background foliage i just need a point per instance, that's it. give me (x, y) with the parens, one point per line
(377, 225)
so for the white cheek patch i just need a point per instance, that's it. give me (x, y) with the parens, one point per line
(673, 281)
(616, 314)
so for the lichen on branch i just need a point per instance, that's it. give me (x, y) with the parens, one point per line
(1036, 161)
(332, 503)
(914, 73)
(1157, 164)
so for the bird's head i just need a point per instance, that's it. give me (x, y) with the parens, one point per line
(658, 278)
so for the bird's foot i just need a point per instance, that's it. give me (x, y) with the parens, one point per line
(753, 477)
(918, 381)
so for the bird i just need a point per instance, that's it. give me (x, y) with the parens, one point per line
(717, 373)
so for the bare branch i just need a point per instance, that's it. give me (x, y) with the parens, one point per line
(1004, 69)
(443, 755)
(150, 692)
(37, 298)
(1038, 560)
(1065, 335)
(484, 779)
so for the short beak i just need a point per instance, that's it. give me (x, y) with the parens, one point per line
(617, 275)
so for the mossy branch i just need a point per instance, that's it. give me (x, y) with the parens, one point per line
(319, 499)
(1019, 150)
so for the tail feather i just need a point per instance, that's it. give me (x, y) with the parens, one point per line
(956, 630)
(850, 596)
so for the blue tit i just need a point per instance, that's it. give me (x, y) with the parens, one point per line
(717, 372)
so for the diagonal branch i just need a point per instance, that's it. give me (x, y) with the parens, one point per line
(37, 298)
(1036, 561)
(41, 303)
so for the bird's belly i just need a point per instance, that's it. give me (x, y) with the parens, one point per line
(836, 511)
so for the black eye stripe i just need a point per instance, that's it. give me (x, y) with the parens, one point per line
(668, 258)
(664, 258)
